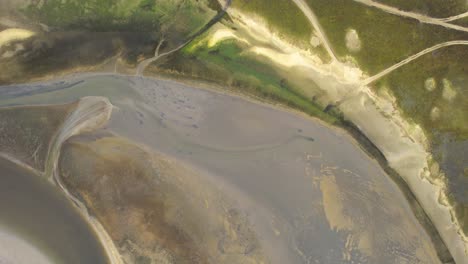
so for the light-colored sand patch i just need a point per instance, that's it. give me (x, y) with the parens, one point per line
(288, 60)
(224, 34)
(353, 43)
(10, 53)
(448, 93)
(333, 205)
(14, 34)
(315, 41)
(335, 211)
(259, 35)
(435, 113)
(430, 84)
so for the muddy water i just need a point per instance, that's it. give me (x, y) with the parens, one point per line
(312, 195)
(38, 224)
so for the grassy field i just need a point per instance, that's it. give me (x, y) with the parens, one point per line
(127, 15)
(434, 8)
(417, 102)
(171, 20)
(386, 39)
(461, 22)
(226, 64)
(85, 33)
(283, 17)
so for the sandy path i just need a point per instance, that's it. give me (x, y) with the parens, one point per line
(412, 58)
(315, 23)
(142, 65)
(452, 18)
(419, 17)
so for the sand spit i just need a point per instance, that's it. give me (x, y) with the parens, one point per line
(32, 137)
(90, 114)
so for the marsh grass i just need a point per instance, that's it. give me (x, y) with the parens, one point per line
(407, 85)
(227, 65)
(386, 39)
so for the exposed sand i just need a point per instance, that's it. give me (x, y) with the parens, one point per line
(353, 43)
(14, 34)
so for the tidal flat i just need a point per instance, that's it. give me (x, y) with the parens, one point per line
(299, 191)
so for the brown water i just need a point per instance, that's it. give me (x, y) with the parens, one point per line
(38, 223)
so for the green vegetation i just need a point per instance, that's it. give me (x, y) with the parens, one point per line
(226, 64)
(386, 39)
(434, 8)
(282, 16)
(84, 33)
(128, 15)
(417, 102)
(62, 51)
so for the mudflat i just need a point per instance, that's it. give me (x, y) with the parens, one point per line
(308, 191)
